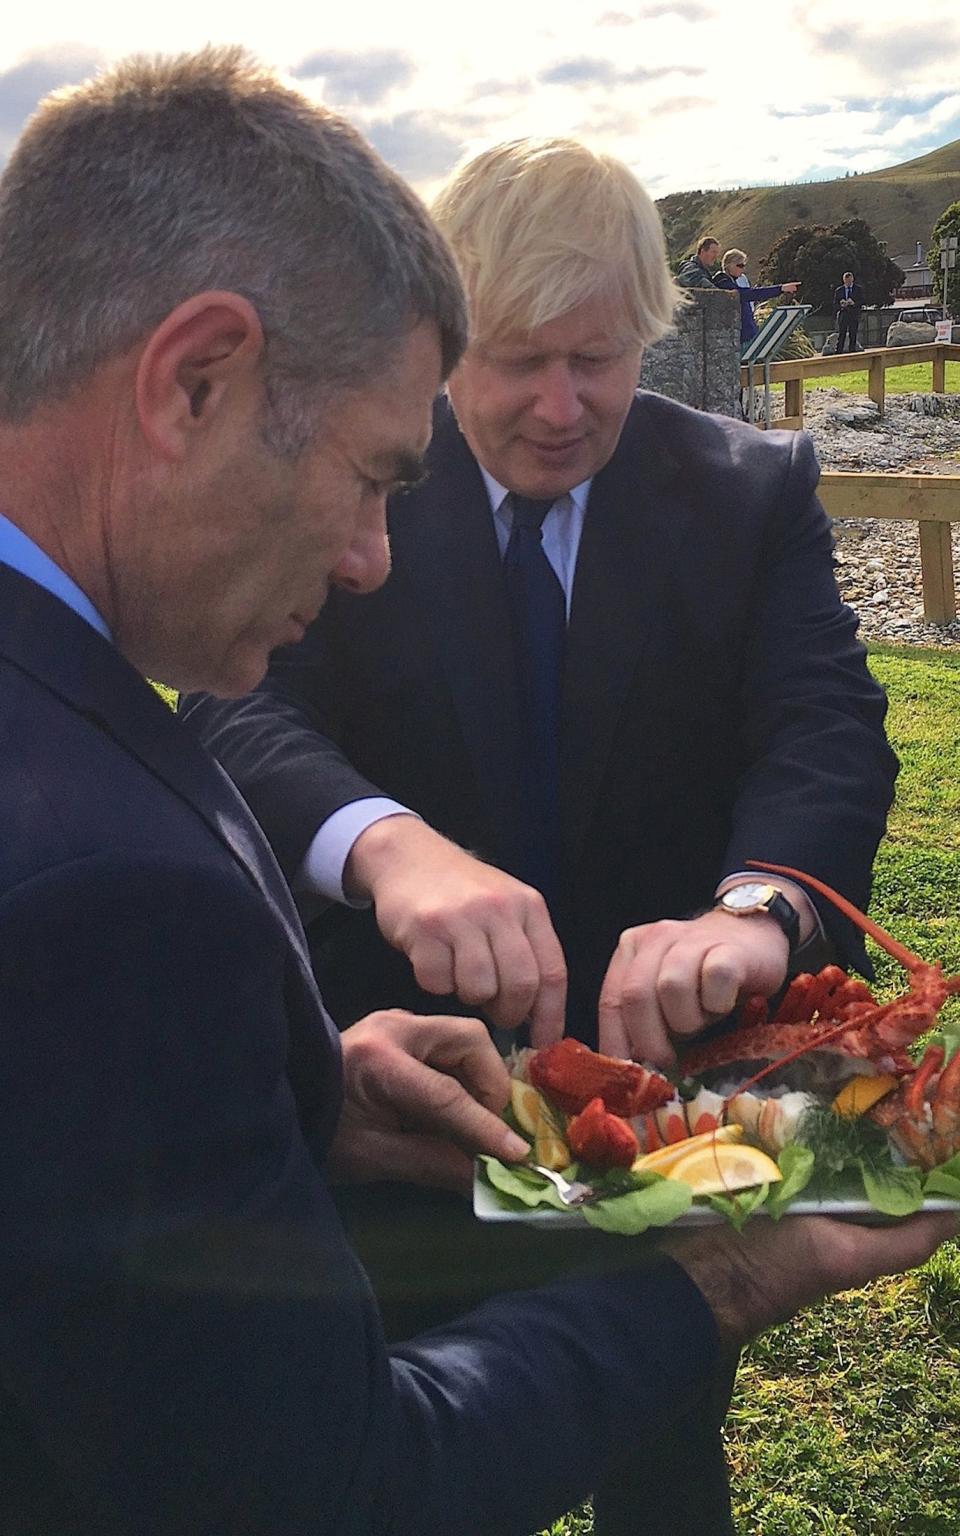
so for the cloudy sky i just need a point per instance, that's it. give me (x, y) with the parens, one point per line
(691, 93)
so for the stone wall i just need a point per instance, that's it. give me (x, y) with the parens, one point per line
(699, 362)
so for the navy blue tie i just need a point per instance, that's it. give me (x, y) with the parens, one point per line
(538, 614)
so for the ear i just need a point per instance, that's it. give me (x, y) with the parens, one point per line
(205, 355)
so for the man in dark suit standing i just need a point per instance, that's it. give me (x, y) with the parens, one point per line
(848, 301)
(213, 367)
(714, 702)
(711, 703)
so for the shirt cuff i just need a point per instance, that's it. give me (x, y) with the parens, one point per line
(325, 860)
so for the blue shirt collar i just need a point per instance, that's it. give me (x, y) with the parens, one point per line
(23, 555)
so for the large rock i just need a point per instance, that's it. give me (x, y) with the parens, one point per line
(699, 362)
(932, 405)
(863, 413)
(829, 347)
(908, 333)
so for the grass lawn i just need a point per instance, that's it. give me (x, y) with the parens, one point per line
(847, 1422)
(914, 379)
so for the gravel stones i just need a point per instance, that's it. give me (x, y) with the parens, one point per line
(878, 560)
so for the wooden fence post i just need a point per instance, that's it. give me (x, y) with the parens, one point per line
(939, 372)
(936, 565)
(876, 384)
(793, 398)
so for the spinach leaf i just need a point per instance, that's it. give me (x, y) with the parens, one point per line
(796, 1163)
(522, 1186)
(893, 1191)
(738, 1208)
(944, 1180)
(661, 1202)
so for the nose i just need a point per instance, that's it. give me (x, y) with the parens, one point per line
(558, 402)
(365, 565)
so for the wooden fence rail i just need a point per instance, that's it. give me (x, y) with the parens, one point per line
(933, 501)
(874, 361)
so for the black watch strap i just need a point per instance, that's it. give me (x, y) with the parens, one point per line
(787, 918)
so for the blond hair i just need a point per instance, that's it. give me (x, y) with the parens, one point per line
(167, 177)
(731, 256)
(540, 226)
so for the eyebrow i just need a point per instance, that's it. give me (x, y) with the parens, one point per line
(401, 465)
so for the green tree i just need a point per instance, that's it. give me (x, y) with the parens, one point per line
(818, 257)
(947, 224)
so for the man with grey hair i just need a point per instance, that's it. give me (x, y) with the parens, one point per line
(186, 1342)
(611, 662)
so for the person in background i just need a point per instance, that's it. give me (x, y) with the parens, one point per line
(684, 595)
(697, 270)
(848, 301)
(733, 270)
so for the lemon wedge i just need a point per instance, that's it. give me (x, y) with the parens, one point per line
(666, 1157)
(861, 1093)
(536, 1117)
(528, 1105)
(721, 1168)
(549, 1147)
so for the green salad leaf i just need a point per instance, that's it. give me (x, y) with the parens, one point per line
(522, 1187)
(796, 1163)
(944, 1180)
(655, 1205)
(740, 1207)
(893, 1191)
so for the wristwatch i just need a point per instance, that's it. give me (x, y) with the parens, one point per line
(753, 896)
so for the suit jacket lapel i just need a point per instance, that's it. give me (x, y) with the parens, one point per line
(449, 552)
(618, 589)
(46, 639)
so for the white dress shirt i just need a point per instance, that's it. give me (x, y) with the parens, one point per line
(325, 859)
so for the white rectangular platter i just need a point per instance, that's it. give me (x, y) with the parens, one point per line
(485, 1208)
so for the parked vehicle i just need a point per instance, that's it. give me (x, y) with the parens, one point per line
(919, 316)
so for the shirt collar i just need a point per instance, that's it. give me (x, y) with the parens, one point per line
(20, 552)
(498, 493)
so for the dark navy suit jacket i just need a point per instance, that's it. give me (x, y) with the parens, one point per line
(856, 294)
(716, 702)
(187, 1345)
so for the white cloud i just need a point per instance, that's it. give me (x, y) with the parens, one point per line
(659, 82)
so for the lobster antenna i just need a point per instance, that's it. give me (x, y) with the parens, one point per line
(866, 924)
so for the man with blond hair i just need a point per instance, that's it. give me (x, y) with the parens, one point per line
(213, 367)
(611, 662)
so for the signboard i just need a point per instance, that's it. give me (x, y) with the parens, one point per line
(944, 330)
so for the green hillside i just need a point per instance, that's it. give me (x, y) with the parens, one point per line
(901, 205)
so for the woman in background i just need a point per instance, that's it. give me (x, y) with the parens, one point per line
(733, 265)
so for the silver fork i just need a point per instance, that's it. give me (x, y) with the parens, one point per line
(572, 1194)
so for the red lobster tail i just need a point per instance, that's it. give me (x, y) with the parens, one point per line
(866, 924)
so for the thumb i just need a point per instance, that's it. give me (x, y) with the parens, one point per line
(438, 1104)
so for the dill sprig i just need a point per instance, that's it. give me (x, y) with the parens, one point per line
(840, 1143)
